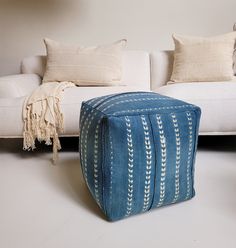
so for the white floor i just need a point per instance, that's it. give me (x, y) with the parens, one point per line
(49, 206)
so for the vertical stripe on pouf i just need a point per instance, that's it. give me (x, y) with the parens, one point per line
(190, 151)
(163, 155)
(177, 156)
(148, 167)
(130, 167)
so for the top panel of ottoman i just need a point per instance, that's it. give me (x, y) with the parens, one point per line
(134, 103)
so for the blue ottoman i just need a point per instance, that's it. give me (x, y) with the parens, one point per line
(137, 151)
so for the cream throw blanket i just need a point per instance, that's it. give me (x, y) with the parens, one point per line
(43, 118)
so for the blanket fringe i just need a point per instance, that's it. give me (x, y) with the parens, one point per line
(43, 118)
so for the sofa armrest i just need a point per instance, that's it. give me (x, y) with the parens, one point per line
(161, 68)
(34, 64)
(18, 85)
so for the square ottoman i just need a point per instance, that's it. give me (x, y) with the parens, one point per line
(137, 151)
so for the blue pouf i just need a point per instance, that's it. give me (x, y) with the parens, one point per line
(137, 151)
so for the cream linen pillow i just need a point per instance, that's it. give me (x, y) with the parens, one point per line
(97, 66)
(199, 59)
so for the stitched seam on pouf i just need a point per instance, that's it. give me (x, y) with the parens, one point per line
(155, 162)
(197, 113)
(148, 151)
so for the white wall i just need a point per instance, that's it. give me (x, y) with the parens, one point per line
(147, 24)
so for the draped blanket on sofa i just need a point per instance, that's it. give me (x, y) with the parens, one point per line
(43, 118)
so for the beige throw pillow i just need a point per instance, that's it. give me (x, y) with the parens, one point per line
(199, 59)
(89, 66)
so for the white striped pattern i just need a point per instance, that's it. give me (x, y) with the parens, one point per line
(134, 100)
(84, 137)
(83, 147)
(123, 96)
(81, 139)
(130, 167)
(95, 162)
(111, 159)
(163, 160)
(177, 158)
(99, 101)
(190, 148)
(92, 100)
(148, 151)
(83, 114)
(152, 109)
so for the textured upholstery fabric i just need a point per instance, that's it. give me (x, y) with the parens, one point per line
(137, 151)
(100, 65)
(203, 59)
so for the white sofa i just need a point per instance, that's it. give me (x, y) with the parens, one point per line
(141, 72)
(217, 100)
(13, 89)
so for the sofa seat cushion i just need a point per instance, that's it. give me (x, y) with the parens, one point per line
(18, 85)
(216, 99)
(73, 98)
(11, 124)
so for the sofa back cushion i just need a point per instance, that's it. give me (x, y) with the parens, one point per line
(136, 68)
(161, 68)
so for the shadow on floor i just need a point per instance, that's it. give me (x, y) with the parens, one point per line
(71, 173)
(66, 176)
(69, 179)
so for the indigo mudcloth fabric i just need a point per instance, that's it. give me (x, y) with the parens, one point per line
(137, 151)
